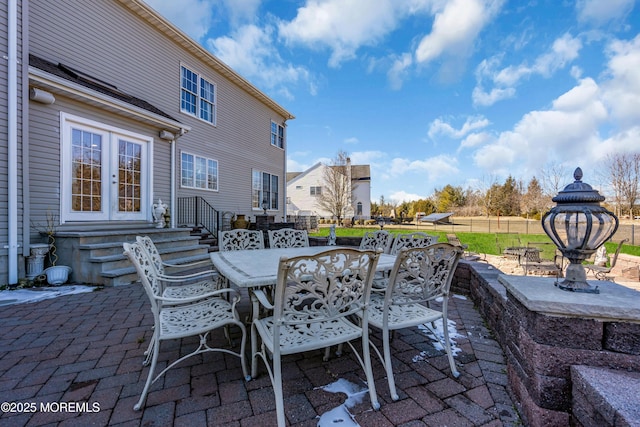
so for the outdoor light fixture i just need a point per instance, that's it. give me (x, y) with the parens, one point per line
(578, 225)
(265, 205)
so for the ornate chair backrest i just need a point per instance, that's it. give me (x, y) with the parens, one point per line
(288, 238)
(146, 272)
(412, 240)
(374, 240)
(420, 275)
(323, 287)
(240, 239)
(148, 245)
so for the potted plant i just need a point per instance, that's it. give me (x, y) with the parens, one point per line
(56, 274)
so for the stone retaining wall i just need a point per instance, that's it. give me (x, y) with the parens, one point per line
(541, 349)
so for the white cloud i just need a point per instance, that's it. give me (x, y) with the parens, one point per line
(373, 158)
(568, 130)
(241, 11)
(622, 90)
(194, 17)
(399, 70)
(250, 51)
(351, 140)
(295, 166)
(434, 167)
(476, 139)
(403, 196)
(340, 25)
(456, 27)
(563, 51)
(599, 12)
(440, 127)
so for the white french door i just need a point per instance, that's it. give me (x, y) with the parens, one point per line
(105, 172)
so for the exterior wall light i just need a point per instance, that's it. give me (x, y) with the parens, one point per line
(578, 225)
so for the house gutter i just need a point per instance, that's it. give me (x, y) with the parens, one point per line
(12, 139)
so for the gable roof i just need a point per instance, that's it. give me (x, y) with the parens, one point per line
(174, 33)
(358, 173)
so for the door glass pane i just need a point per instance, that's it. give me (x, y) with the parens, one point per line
(129, 168)
(86, 166)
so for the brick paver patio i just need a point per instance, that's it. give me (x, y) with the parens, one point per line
(87, 350)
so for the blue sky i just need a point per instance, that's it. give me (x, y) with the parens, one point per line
(437, 92)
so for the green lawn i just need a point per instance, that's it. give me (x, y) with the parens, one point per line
(487, 243)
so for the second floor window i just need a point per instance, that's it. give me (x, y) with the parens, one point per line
(315, 191)
(197, 96)
(198, 172)
(277, 135)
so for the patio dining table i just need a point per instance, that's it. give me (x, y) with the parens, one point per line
(259, 267)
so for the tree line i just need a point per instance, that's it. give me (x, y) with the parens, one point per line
(617, 180)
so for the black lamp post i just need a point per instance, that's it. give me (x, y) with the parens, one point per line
(265, 205)
(578, 225)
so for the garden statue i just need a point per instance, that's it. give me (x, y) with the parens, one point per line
(159, 210)
(332, 235)
(601, 257)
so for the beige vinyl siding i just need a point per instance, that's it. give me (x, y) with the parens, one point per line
(116, 46)
(45, 152)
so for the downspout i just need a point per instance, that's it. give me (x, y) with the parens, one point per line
(12, 136)
(172, 203)
(26, 183)
(284, 177)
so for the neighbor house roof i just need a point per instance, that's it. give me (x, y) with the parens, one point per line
(358, 173)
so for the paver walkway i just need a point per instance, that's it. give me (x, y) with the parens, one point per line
(87, 350)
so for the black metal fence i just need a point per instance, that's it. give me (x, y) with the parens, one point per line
(497, 225)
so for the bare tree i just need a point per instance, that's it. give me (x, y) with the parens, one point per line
(554, 178)
(335, 196)
(624, 172)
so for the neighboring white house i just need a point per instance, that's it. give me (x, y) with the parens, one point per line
(303, 189)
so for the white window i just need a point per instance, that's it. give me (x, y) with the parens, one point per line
(264, 188)
(315, 191)
(197, 96)
(277, 135)
(198, 172)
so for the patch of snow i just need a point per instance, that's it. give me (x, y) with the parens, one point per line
(340, 415)
(462, 297)
(437, 337)
(21, 296)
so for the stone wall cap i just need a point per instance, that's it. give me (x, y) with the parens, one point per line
(613, 303)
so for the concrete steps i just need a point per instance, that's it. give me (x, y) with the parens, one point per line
(96, 257)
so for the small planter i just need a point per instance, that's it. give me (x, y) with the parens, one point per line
(57, 275)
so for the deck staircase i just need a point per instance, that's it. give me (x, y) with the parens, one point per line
(96, 257)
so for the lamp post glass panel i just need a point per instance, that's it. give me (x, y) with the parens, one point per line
(578, 226)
